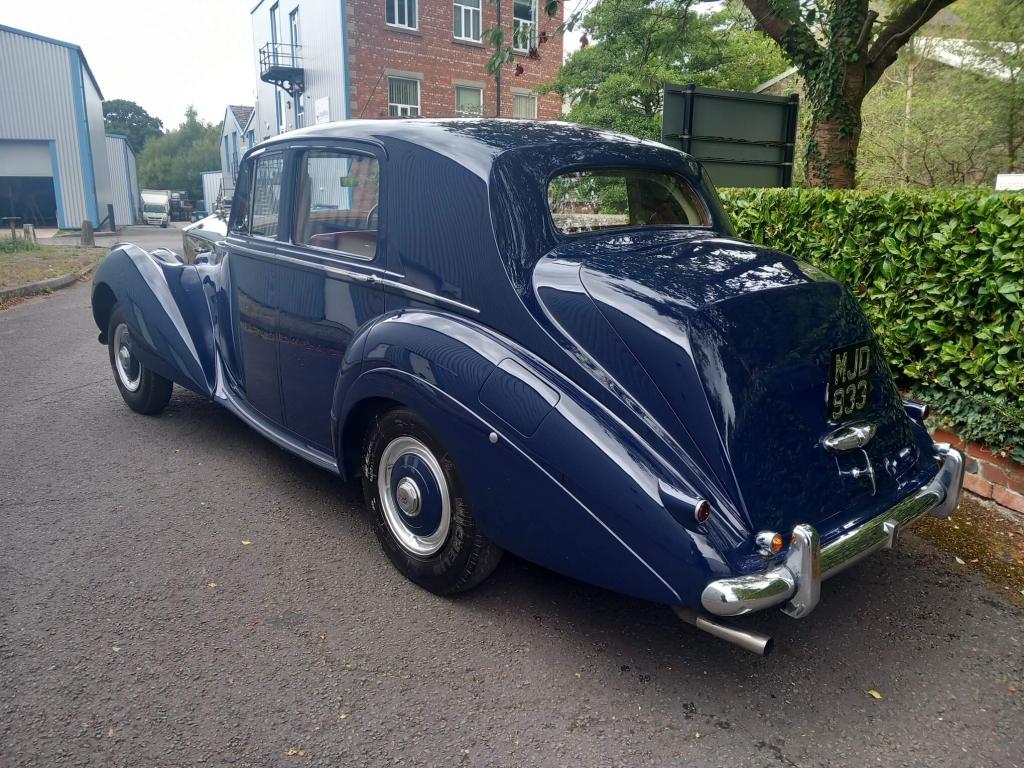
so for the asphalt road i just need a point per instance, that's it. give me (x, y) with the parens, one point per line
(137, 628)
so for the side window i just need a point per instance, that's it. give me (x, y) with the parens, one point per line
(266, 195)
(337, 203)
(240, 205)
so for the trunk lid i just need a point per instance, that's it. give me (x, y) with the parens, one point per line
(738, 340)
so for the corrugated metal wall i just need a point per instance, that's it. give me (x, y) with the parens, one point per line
(38, 104)
(211, 189)
(321, 41)
(124, 189)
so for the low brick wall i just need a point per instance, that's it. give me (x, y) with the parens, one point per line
(989, 475)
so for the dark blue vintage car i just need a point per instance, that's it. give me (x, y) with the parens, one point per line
(544, 339)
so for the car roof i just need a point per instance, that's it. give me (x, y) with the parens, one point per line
(474, 142)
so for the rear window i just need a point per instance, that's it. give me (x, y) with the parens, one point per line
(600, 199)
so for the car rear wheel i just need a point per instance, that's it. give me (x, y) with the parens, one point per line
(420, 515)
(143, 390)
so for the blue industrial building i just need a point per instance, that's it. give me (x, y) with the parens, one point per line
(55, 162)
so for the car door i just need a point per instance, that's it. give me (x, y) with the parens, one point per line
(251, 271)
(331, 291)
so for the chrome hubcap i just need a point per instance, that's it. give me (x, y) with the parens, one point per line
(407, 494)
(129, 370)
(414, 496)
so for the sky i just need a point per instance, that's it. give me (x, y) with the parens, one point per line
(163, 56)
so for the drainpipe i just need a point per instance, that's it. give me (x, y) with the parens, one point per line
(497, 75)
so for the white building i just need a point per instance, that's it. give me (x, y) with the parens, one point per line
(53, 155)
(237, 135)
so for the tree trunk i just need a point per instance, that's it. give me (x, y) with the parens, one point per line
(835, 134)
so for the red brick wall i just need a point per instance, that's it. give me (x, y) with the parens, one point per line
(431, 51)
(989, 475)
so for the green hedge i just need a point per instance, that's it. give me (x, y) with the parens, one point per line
(939, 273)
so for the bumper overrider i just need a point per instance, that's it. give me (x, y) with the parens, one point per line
(797, 580)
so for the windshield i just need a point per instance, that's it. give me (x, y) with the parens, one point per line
(154, 208)
(599, 199)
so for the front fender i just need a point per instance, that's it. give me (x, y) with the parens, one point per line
(166, 311)
(564, 485)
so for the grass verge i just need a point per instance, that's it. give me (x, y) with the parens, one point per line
(23, 262)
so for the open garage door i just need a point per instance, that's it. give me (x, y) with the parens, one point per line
(26, 184)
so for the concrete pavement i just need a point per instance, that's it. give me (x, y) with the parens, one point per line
(138, 629)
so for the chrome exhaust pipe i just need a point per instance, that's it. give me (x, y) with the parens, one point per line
(754, 642)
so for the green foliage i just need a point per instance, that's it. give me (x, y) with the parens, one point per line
(19, 245)
(940, 274)
(131, 120)
(616, 82)
(177, 159)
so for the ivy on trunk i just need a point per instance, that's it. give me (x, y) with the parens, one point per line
(840, 48)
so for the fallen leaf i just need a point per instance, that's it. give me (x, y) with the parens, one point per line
(959, 561)
(110, 732)
(874, 694)
(343, 716)
(323, 636)
(212, 585)
(579, 675)
(115, 648)
(1012, 688)
(246, 542)
(293, 751)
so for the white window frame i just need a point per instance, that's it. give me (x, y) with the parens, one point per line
(465, 13)
(401, 107)
(393, 5)
(532, 97)
(469, 88)
(518, 24)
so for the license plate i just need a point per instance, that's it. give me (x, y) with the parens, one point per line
(849, 380)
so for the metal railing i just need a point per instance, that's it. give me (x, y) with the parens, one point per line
(280, 56)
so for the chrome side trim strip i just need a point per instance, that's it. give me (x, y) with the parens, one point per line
(359, 277)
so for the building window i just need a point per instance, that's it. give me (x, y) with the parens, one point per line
(293, 33)
(403, 97)
(341, 194)
(524, 24)
(266, 195)
(524, 105)
(402, 13)
(250, 139)
(467, 20)
(469, 101)
(279, 110)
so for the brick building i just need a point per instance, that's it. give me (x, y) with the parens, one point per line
(321, 60)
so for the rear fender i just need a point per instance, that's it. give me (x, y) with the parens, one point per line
(166, 311)
(564, 485)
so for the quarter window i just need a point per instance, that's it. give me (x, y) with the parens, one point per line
(402, 13)
(240, 204)
(587, 201)
(337, 203)
(469, 101)
(524, 105)
(266, 195)
(403, 97)
(524, 24)
(467, 20)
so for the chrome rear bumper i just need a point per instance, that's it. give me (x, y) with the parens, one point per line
(797, 580)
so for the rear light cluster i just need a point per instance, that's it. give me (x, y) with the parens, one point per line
(768, 543)
(702, 511)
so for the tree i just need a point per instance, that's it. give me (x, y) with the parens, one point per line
(993, 46)
(841, 48)
(131, 120)
(177, 159)
(616, 82)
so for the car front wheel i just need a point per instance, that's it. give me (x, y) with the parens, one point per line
(143, 390)
(420, 515)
